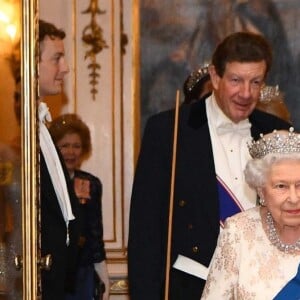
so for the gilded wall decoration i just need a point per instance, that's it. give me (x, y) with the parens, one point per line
(92, 35)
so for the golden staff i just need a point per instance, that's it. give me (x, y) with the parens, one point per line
(167, 279)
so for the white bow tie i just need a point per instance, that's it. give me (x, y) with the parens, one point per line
(242, 129)
(44, 113)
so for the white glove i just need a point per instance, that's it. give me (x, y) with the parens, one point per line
(102, 272)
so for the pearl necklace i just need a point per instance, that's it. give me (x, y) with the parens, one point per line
(274, 238)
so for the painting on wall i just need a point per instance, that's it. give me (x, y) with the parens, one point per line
(178, 37)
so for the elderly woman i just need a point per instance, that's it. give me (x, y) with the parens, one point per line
(258, 252)
(72, 137)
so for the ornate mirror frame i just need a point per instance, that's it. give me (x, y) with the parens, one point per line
(29, 150)
(112, 113)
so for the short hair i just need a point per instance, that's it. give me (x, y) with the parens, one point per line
(242, 47)
(68, 124)
(256, 171)
(50, 30)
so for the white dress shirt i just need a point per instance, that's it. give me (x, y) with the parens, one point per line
(229, 143)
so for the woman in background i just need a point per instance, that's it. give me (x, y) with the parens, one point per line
(272, 101)
(72, 137)
(197, 85)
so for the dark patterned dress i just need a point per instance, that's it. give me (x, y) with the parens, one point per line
(88, 189)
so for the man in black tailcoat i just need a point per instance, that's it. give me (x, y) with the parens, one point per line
(59, 221)
(209, 184)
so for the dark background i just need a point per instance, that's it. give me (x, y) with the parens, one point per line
(177, 36)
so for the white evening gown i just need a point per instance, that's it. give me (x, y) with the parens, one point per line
(245, 264)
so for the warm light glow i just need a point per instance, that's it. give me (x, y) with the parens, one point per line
(3, 17)
(11, 31)
(9, 25)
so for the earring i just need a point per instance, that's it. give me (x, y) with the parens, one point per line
(262, 201)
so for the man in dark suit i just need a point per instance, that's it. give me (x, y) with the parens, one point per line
(59, 222)
(209, 183)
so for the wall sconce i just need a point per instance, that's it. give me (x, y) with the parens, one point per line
(9, 25)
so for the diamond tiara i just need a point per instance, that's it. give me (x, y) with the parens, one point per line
(196, 76)
(268, 93)
(276, 142)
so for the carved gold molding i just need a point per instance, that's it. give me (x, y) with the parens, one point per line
(92, 35)
(119, 286)
(30, 181)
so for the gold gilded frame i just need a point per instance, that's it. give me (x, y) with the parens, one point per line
(29, 153)
(117, 256)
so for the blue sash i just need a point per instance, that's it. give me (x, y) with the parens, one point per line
(291, 291)
(228, 204)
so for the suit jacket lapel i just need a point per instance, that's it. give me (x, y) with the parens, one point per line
(205, 180)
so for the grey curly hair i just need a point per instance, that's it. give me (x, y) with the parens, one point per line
(257, 170)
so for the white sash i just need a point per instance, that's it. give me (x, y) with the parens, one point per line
(54, 166)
